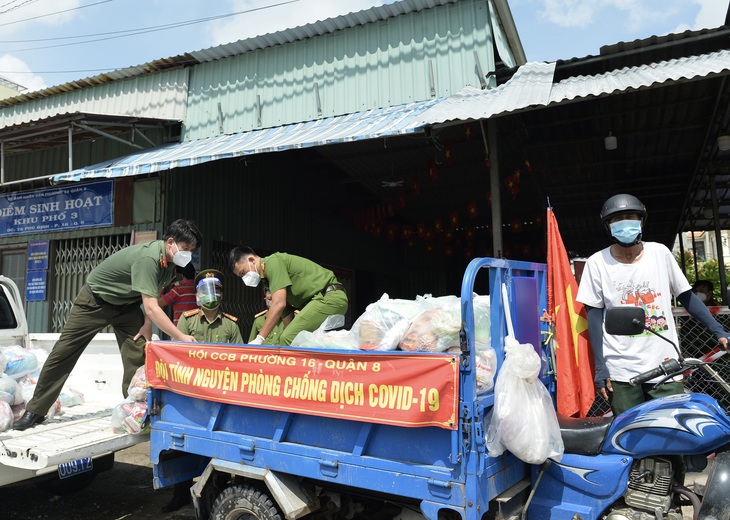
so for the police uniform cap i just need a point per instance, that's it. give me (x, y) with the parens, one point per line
(209, 273)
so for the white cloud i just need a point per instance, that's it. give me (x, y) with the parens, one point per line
(569, 13)
(630, 14)
(17, 71)
(711, 14)
(10, 21)
(282, 17)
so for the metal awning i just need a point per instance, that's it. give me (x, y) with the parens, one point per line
(532, 86)
(529, 87)
(379, 122)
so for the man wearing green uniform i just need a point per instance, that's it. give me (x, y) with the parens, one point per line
(208, 324)
(293, 281)
(111, 296)
(260, 319)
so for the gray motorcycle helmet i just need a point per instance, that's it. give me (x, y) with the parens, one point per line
(621, 204)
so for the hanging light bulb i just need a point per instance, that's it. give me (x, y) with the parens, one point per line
(610, 142)
(723, 143)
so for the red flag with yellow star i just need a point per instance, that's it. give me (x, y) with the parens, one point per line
(573, 356)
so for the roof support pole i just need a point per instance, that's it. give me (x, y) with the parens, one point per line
(107, 135)
(70, 148)
(718, 238)
(682, 262)
(137, 131)
(317, 100)
(2, 162)
(491, 148)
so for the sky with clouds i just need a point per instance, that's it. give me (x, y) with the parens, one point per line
(50, 42)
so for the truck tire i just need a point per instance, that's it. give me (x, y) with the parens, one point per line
(244, 503)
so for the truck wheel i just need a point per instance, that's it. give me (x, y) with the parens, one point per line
(244, 503)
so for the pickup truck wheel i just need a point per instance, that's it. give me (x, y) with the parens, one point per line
(244, 503)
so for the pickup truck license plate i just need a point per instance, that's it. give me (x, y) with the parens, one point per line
(74, 467)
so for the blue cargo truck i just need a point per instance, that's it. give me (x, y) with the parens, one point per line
(284, 432)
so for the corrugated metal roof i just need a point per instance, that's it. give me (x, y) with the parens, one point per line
(642, 76)
(439, 51)
(363, 125)
(530, 86)
(345, 21)
(161, 96)
(373, 14)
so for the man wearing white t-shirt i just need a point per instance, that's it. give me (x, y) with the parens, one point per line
(642, 274)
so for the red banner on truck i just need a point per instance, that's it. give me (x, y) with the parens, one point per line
(410, 390)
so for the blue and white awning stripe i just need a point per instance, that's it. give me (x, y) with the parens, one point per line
(379, 122)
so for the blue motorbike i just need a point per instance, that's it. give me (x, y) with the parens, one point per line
(630, 467)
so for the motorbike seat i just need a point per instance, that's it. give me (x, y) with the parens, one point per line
(583, 436)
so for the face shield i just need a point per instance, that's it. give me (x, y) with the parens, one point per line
(209, 293)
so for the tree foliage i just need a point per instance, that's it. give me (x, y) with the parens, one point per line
(707, 270)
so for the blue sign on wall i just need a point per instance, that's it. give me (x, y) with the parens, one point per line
(57, 209)
(38, 255)
(35, 286)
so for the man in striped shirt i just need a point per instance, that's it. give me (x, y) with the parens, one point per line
(182, 295)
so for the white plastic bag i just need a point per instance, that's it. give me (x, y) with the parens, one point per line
(409, 309)
(137, 389)
(379, 327)
(130, 416)
(486, 361)
(10, 391)
(523, 420)
(325, 337)
(6, 416)
(434, 330)
(20, 361)
(70, 397)
(482, 322)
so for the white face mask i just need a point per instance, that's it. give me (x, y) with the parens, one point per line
(702, 296)
(181, 258)
(251, 278)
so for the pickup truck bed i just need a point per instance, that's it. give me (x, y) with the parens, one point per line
(80, 432)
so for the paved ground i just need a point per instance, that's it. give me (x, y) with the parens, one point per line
(124, 493)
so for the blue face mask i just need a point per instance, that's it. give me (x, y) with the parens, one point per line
(626, 231)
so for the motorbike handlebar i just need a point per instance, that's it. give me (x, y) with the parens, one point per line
(668, 367)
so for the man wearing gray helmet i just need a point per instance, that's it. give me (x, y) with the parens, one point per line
(631, 272)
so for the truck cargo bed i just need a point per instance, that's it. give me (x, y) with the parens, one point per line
(82, 431)
(211, 418)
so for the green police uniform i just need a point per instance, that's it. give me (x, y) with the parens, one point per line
(223, 328)
(258, 322)
(309, 287)
(112, 296)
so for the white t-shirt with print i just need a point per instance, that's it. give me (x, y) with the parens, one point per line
(648, 283)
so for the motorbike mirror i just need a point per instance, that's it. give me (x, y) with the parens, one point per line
(625, 321)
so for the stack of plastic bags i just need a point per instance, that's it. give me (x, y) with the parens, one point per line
(130, 416)
(426, 324)
(20, 370)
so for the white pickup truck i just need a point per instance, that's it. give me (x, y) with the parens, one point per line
(66, 452)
